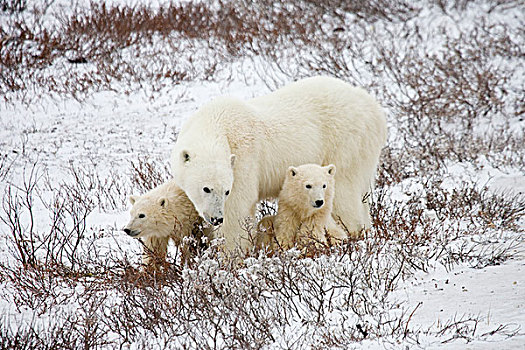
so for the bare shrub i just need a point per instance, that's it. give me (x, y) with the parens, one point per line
(68, 208)
(17, 339)
(98, 38)
(148, 173)
(91, 188)
(36, 289)
(59, 333)
(394, 167)
(457, 83)
(16, 201)
(479, 205)
(6, 164)
(13, 5)
(468, 211)
(371, 10)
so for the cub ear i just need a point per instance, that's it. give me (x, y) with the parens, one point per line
(163, 202)
(232, 160)
(133, 199)
(185, 156)
(292, 171)
(331, 169)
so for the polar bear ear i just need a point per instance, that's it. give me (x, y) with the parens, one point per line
(185, 156)
(163, 202)
(232, 160)
(292, 171)
(133, 199)
(331, 169)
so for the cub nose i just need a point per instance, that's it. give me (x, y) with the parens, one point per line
(216, 221)
(127, 231)
(319, 203)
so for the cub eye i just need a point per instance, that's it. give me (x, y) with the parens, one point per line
(324, 186)
(142, 216)
(308, 186)
(206, 189)
(227, 193)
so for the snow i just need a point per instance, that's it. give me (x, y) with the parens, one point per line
(496, 293)
(109, 129)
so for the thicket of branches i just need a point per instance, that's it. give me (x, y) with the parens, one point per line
(441, 90)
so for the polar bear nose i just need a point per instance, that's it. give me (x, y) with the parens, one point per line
(127, 231)
(216, 221)
(319, 203)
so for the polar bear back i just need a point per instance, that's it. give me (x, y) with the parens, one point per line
(321, 120)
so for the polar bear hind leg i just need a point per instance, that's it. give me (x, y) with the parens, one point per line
(349, 208)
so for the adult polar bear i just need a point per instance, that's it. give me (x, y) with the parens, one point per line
(230, 154)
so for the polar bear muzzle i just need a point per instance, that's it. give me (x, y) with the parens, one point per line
(132, 233)
(318, 203)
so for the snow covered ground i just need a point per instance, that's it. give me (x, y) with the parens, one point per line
(466, 289)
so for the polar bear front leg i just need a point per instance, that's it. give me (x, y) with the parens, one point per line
(236, 237)
(286, 229)
(335, 233)
(154, 251)
(239, 207)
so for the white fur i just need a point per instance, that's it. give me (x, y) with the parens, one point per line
(304, 217)
(316, 120)
(159, 215)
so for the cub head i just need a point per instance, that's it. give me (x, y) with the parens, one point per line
(206, 180)
(149, 217)
(310, 186)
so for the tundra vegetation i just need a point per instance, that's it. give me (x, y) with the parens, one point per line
(448, 72)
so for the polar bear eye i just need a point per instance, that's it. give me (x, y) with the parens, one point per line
(324, 186)
(308, 186)
(227, 193)
(206, 189)
(142, 216)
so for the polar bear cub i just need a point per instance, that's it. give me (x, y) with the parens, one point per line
(162, 214)
(304, 216)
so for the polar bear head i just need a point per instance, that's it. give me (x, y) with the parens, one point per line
(150, 216)
(309, 188)
(206, 181)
